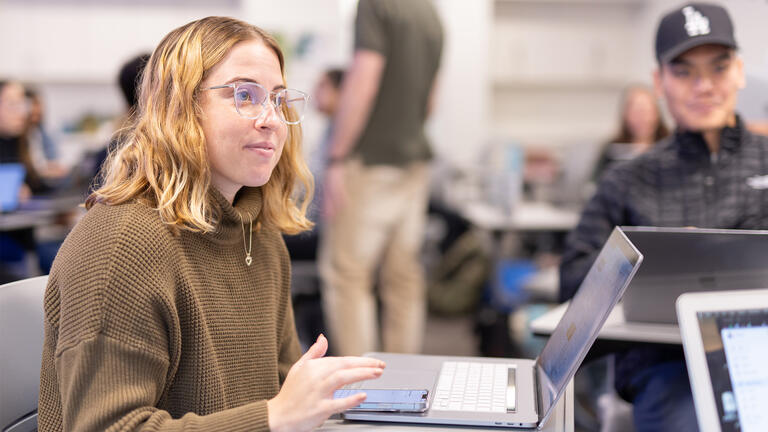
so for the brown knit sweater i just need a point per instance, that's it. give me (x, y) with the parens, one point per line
(147, 330)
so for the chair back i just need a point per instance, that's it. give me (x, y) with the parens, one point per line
(21, 348)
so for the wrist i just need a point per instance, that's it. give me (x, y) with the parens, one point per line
(274, 419)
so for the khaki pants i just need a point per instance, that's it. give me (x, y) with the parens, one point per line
(381, 227)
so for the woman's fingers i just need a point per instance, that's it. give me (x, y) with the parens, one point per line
(335, 363)
(343, 404)
(343, 377)
(316, 351)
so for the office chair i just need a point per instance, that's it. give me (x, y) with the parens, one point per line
(21, 347)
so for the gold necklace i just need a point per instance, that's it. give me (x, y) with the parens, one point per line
(248, 259)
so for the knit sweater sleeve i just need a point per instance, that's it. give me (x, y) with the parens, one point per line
(108, 384)
(111, 329)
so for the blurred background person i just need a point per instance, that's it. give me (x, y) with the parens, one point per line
(326, 97)
(44, 151)
(377, 180)
(128, 79)
(640, 126)
(14, 149)
(302, 248)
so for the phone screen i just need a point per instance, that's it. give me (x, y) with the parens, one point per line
(387, 400)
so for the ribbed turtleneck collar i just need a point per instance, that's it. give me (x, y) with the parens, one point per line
(692, 144)
(236, 218)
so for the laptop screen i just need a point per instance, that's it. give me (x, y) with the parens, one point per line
(598, 294)
(736, 347)
(11, 179)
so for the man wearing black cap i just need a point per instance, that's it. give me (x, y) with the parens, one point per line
(711, 173)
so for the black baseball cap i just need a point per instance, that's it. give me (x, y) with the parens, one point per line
(692, 25)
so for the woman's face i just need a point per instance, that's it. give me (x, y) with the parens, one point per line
(242, 152)
(13, 110)
(641, 115)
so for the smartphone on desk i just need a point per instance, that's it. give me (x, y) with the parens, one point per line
(387, 400)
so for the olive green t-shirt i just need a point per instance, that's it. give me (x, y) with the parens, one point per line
(408, 33)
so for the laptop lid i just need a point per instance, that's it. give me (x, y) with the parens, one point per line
(679, 260)
(11, 179)
(601, 289)
(725, 338)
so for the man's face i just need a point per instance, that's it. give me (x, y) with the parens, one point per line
(700, 87)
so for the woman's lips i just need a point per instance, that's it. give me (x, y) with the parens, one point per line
(263, 148)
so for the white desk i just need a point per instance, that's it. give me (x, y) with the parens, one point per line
(526, 216)
(561, 421)
(615, 328)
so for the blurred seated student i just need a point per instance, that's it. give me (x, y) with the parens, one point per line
(168, 306)
(14, 147)
(43, 149)
(640, 126)
(303, 247)
(706, 174)
(16, 244)
(325, 97)
(128, 78)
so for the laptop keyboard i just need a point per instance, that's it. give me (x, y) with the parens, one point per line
(475, 387)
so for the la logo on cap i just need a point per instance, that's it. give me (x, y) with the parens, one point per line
(696, 24)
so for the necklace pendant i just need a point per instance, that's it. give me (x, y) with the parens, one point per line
(248, 260)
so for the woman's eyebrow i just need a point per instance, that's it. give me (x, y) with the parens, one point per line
(251, 80)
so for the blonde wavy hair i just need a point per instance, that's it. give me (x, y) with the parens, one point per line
(161, 158)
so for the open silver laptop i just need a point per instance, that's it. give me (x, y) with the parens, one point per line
(679, 260)
(512, 392)
(725, 336)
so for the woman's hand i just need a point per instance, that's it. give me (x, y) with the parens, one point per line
(306, 399)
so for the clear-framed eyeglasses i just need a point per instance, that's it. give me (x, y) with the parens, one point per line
(251, 101)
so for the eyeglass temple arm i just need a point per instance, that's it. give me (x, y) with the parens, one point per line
(220, 87)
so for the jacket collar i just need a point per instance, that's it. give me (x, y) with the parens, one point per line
(692, 144)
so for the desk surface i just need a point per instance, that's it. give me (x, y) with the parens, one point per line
(561, 421)
(615, 328)
(526, 216)
(38, 212)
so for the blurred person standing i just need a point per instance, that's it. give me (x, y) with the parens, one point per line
(710, 174)
(376, 183)
(640, 126)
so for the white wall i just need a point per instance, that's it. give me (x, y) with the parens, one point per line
(72, 50)
(546, 72)
(460, 124)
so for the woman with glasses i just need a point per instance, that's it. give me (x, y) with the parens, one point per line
(168, 306)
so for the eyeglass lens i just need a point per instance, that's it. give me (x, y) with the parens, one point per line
(250, 98)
